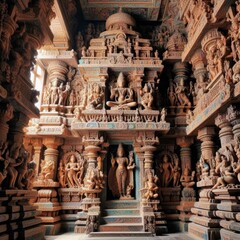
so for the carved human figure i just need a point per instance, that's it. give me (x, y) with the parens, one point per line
(204, 165)
(121, 170)
(31, 174)
(72, 168)
(72, 98)
(163, 115)
(228, 176)
(79, 43)
(47, 170)
(166, 171)
(22, 169)
(95, 179)
(63, 93)
(183, 99)
(61, 175)
(171, 95)
(176, 173)
(11, 158)
(4, 163)
(187, 178)
(150, 185)
(47, 94)
(122, 95)
(131, 165)
(54, 95)
(147, 96)
(96, 97)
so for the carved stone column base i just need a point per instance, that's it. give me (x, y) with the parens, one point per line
(228, 211)
(153, 216)
(91, 211)
(205, 224)
(202, 232)
(170, 199)
(70, 201)
(17, 216)
(50, 208)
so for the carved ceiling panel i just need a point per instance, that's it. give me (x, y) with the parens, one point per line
(146, 10)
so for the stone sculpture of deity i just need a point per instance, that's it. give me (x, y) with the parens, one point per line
(122, 97)
(120, 177)
(74, 171)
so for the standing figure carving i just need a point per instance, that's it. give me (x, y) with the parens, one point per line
(120, 177)
(169, 169)
(74, 168)
(122, 95)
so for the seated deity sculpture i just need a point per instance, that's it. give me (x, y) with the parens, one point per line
(123, 96)
(187, 178)
(147, 97)
(227, 174)
(96, 97)
(150, 185)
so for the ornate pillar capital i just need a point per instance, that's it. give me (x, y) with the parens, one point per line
(225, 132)
(52, 142)
(206, 134)
(184, 142)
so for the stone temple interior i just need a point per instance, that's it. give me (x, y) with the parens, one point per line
(119, 117)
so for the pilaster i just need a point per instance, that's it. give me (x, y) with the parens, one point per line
(187, 180)
(47, 185)
(204, 222)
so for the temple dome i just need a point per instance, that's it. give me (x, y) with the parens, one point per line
(120, 18)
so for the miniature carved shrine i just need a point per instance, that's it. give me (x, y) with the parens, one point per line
(138, 127)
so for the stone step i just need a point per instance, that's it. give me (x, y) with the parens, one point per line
(122, 204)
(121, 227)
(121, 212)
(127, 235)
(122, 219)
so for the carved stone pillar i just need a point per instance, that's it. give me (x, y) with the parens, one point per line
(187, 179)
(185, 151)
(37, 146)
(51, 155)
(6, 114)
(140, 155)
(225, 133)
(233, 116)
(214, 39)
(152, 212)
(205, 135)
(229, 205)
(56, 76)
(46, 185)
(181, 89)
(204, 222)
(200, 72)
(92, 184)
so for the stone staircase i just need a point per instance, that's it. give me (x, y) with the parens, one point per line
(121, 218)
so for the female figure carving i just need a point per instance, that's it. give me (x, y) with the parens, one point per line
(72, 168)
(166, 170)
(120, 176)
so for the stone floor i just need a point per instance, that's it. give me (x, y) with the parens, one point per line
(72, 236)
